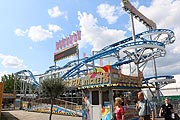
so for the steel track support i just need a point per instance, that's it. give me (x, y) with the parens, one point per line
(134, 39)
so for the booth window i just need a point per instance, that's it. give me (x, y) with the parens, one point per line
(95, 97)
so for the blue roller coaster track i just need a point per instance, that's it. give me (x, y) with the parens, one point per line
(21, 73)
(153, 41)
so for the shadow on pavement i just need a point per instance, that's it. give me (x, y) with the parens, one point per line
(7, 116)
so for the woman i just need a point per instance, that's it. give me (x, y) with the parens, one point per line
(118, 109)
(166, 110)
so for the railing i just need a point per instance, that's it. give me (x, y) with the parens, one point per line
(62, 103)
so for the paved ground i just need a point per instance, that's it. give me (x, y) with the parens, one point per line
(25, 115)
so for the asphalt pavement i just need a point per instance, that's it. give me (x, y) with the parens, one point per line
(25, 115)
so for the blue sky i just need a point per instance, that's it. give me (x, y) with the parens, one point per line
(30, 29)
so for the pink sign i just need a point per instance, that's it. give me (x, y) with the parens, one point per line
(69, 40)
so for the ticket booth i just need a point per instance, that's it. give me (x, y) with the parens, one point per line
(100, 89)
(96, 104)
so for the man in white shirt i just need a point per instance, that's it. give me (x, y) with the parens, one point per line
(144, 108)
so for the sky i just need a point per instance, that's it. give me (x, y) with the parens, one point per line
(29, 30)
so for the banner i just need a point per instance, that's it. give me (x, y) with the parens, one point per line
(79, 35)
(69, 40)
(75, 37)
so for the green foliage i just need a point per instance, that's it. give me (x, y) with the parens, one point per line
(52, 87)
(8, 81)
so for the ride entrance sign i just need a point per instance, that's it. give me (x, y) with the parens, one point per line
(66, 53)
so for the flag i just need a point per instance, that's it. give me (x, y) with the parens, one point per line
(79, 35)
(61, 44)
(84, 55)
(64, 42)
(67, 41)
(57, 45)
(71, 39)
(75, 37)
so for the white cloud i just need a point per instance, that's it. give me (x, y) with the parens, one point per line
(11, 61)
(97, 36)
(164, 13)
(166, 16)
(176, 45)
(2, 74)
(20, 32)
(30, 47)
(54, 28)
(37, 33)
(110, 13)
(55, 12)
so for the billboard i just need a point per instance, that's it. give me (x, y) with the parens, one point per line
(66, 53)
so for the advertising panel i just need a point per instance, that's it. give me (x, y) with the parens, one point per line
(66, 53)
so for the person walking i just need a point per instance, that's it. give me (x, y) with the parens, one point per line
(144, 108)
(118, 109)
(29, 105)
(166, 110)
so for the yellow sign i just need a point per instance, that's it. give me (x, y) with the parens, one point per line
(73, 83)
(91, 79)
(96, 80)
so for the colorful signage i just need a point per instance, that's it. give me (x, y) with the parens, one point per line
(73, 82)
(56, 110)
(66, 53)
(99, 78)
(106, 114)
(86, 81)
(68, 41)
(102, 76)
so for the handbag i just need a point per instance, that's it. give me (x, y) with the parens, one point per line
(114, 116)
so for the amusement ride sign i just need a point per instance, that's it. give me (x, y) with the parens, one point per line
(67, 47)
(99, 78)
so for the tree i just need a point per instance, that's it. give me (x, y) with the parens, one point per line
(8, 81)
(52, 87)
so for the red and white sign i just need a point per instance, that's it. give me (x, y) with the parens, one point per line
(69, 40)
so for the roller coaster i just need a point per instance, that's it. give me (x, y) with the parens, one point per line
(138, 49)
(146, 50)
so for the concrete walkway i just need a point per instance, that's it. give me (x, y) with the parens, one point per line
(25, 115)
